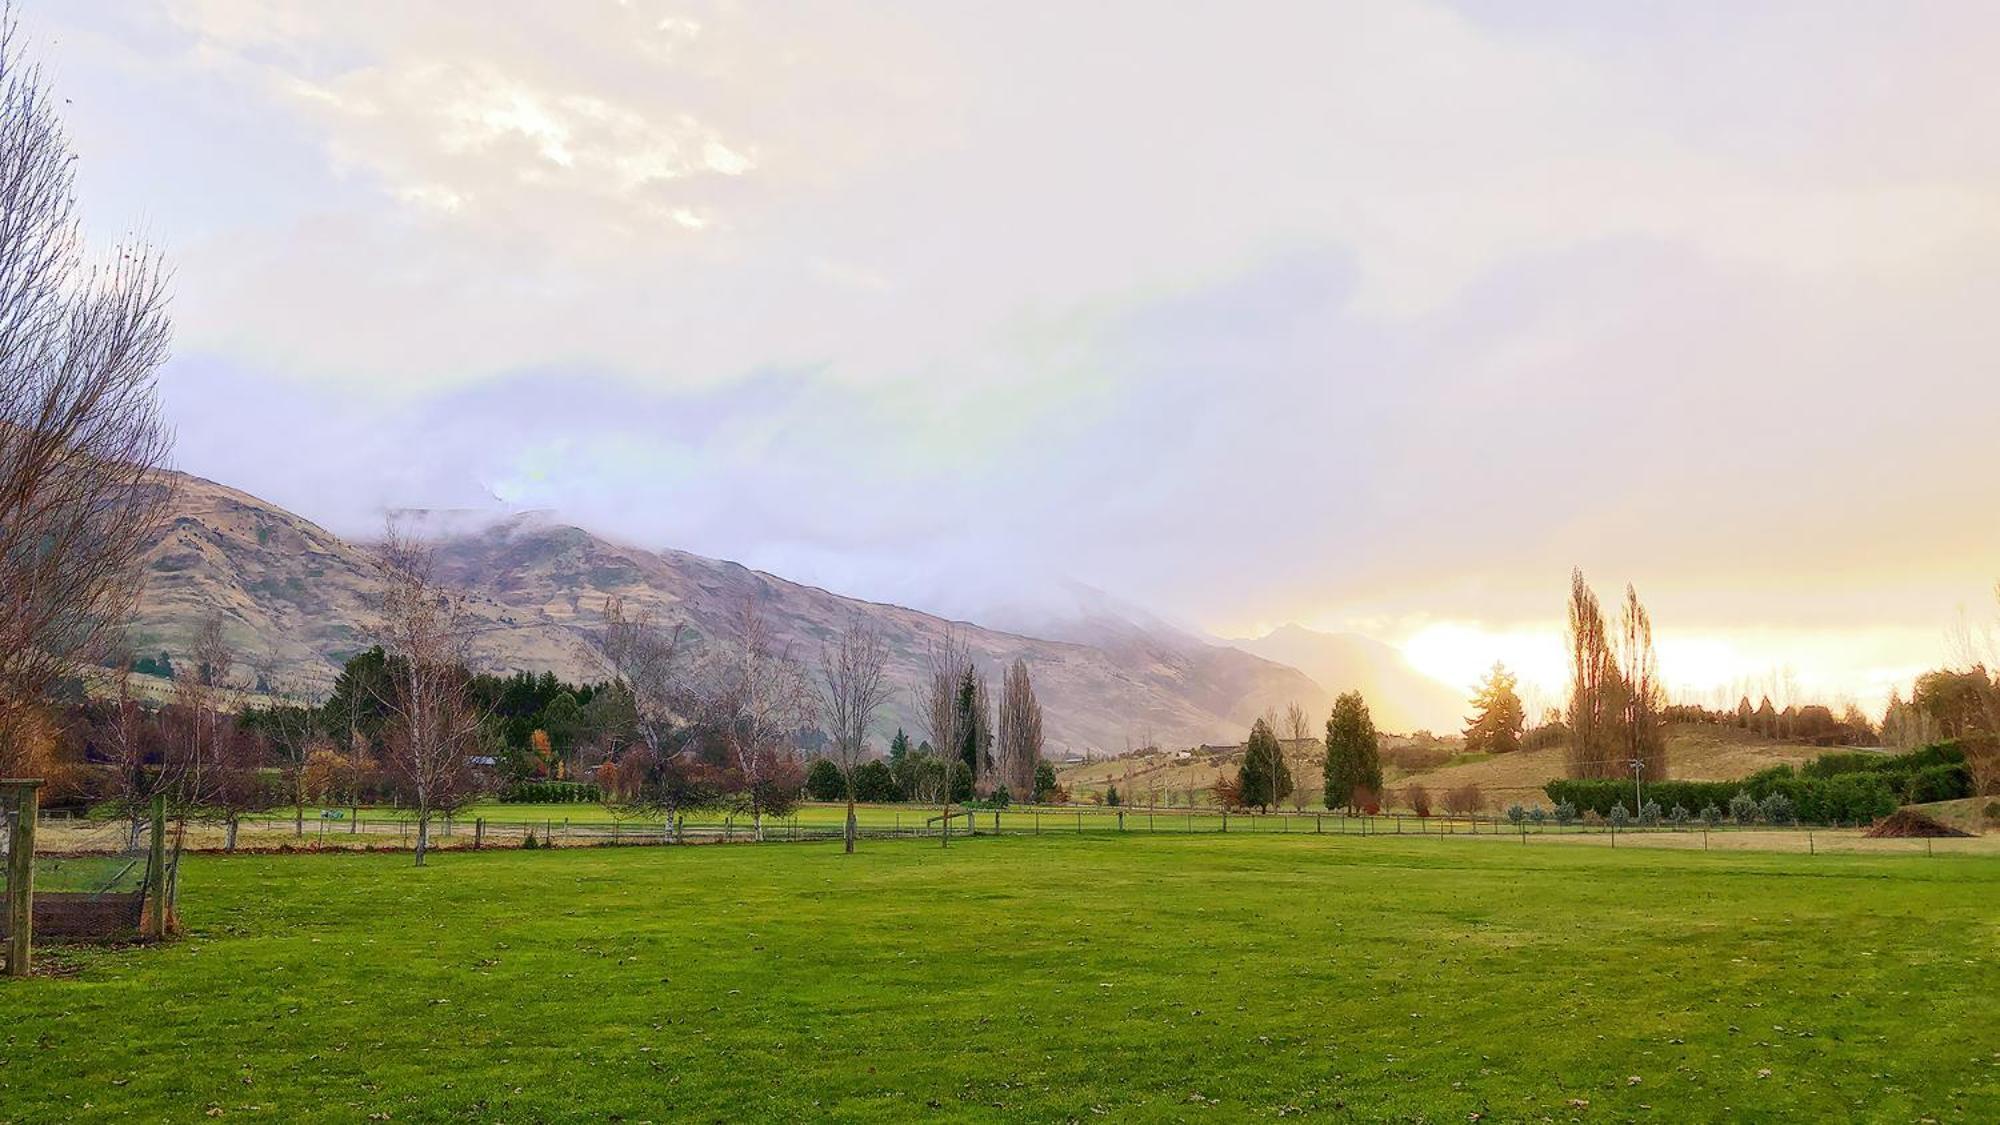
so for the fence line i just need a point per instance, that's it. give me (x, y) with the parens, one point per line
(480, 832)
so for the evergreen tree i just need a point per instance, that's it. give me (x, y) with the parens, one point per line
(1045, 780)
(899, 746)
(1496, 729)
(1353, 752)
(1263, 779)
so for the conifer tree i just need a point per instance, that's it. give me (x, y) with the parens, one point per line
(1353, 753)
(1496, 729)
(1263, 779)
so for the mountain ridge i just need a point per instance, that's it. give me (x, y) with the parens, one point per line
(295, 600)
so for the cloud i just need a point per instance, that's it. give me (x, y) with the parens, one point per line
(1382, 313)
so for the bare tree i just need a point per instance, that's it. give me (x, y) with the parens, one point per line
(1298, 739)
(201, 694)
(853, 688)
(1020, 728)
(651, 661)
(291, 722)
(81, 439)
(950, 660)
(1645, 738)
(433, 732)
(141, 768)
(757, 697)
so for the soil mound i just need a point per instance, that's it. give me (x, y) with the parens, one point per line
(1911, 824)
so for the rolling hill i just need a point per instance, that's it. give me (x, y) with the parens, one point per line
(296, 600)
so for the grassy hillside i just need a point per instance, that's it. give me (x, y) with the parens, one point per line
(1695, 751)
(1037, 979)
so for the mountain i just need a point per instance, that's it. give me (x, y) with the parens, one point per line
(1399, 697)
(297, 600)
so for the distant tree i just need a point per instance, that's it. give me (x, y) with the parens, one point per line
(1464, 800)
(1645, 734)
(1353, 751)
(875, 782)
(824, 781)
(938, 708)
(1263, 779)
(1228, 794)
(1020, 729)
(1496, 728)
(1111, 795)
(1597, 705)
(755, 698)
(433, 731)
(1765, 720)
(1418, 798)
(542, 754)
(1744, 713)
(853, 687)
(562, 721)
(1045, 780)
(899, 746)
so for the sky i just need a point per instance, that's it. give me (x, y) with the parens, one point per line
(1373, 317)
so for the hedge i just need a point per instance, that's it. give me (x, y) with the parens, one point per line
(1849, 798)
(1599, 794)
(550, 793)
(1840, 788)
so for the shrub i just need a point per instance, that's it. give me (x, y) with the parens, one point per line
(823, 781)
(1565, 812)
(1538, 814)
(1000, 798)
(1649, 813)
(1777, 808)
(875, 781)
(1678, 815)
(1464, 800)
(1743, 809)
(1710, 815)
(1619, 817)
(529, 843)
(1418, 798)
(1938, 783)
(1516, 814)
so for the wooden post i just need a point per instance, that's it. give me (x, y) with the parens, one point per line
(21, 877)
(478, 832)
(156, 872)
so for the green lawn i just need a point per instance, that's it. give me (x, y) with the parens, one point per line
(1031, 979)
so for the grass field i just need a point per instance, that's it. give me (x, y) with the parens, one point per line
(1038, 979)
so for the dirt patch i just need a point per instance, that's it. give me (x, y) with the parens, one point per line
(1911, 824)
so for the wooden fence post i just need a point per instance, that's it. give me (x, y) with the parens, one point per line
(156, 872)
(478, 832)
(21, 877)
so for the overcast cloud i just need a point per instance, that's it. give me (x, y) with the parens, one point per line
(1368, 315)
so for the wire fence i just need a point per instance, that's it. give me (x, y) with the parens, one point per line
(79, 842)
(86, 881)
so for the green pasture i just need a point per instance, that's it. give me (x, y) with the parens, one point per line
(1034, 979)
